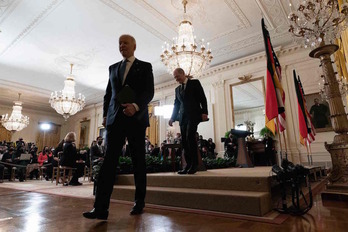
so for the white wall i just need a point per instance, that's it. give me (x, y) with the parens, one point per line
(30, 132)
(94, 113)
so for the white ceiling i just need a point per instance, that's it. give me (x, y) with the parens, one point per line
(38, 36)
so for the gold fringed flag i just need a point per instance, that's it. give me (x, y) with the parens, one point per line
(310, 128)
(275, 96)
(306, 128)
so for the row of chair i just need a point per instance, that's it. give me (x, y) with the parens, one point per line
(61, 172)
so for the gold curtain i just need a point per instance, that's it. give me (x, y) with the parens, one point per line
(342, 54)
(152, 131)
(340, 61)
(48, 138)
(5, 134)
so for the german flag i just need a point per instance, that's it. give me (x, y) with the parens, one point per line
(302, 117)
(310, 127)
(275, 96)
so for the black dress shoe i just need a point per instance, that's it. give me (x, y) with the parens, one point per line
(192, 170)
(182, 172)
(137, 209)
(75, 183)
(93, 214)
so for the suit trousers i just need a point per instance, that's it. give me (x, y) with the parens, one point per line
(189, 143)
(116, 133)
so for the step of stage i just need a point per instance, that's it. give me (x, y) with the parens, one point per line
(238, 183)
(235, 190)
(227, 201)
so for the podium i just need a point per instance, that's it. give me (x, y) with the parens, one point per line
(243, 159)
(172, 153)
(200, 166)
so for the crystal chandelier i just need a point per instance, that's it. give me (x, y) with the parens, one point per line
(65, 102)
(317, 21)
(16, 121)
(183, 52)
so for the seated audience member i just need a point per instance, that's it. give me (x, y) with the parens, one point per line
(207, 154)
(211, 146)
(7, 158)
(55, 159)
(43, 156)
(231, 147)
(20, 143)
(98, 151)
(33, 163)
(177, 140)
(84, 156)
(204, 152)
(164, 152)
(125, 149)
(48, 163)
(70, 158)
(155, 151)
(23, 163)
(201, 143)
(147, 143)
(151, 148)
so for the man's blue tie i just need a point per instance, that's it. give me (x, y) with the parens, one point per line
(123, 69)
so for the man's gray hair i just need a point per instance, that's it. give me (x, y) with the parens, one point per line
(180, 70)
(127, 35)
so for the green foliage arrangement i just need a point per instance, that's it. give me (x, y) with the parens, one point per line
(219, 163)
(266, 132)
(155, 164)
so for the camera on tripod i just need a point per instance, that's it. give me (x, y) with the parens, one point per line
(295, 176)
(289, 171)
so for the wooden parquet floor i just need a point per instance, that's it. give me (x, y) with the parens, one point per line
(32, 211)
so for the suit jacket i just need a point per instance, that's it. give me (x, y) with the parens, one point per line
(191, 105)
(140, 79)
(96, 153)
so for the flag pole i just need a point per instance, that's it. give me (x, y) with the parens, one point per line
(309, 161)
(286, 149)
(280, 142)
(310, 152)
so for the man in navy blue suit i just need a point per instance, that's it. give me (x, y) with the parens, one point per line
(190, 108)
(125, 117)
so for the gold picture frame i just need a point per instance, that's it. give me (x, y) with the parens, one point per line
(321, 120)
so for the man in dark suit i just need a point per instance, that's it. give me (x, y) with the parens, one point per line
(127, 117)
(97, 151)
(190, 108)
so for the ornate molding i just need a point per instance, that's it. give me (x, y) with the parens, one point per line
(219, 83)
(239, 14)
(4, 6)
(165, 85)
(249, 59)
(245, 78)
(135, 19)
(157, 14)
(274, 11)
(246, 42)
(33, 24)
